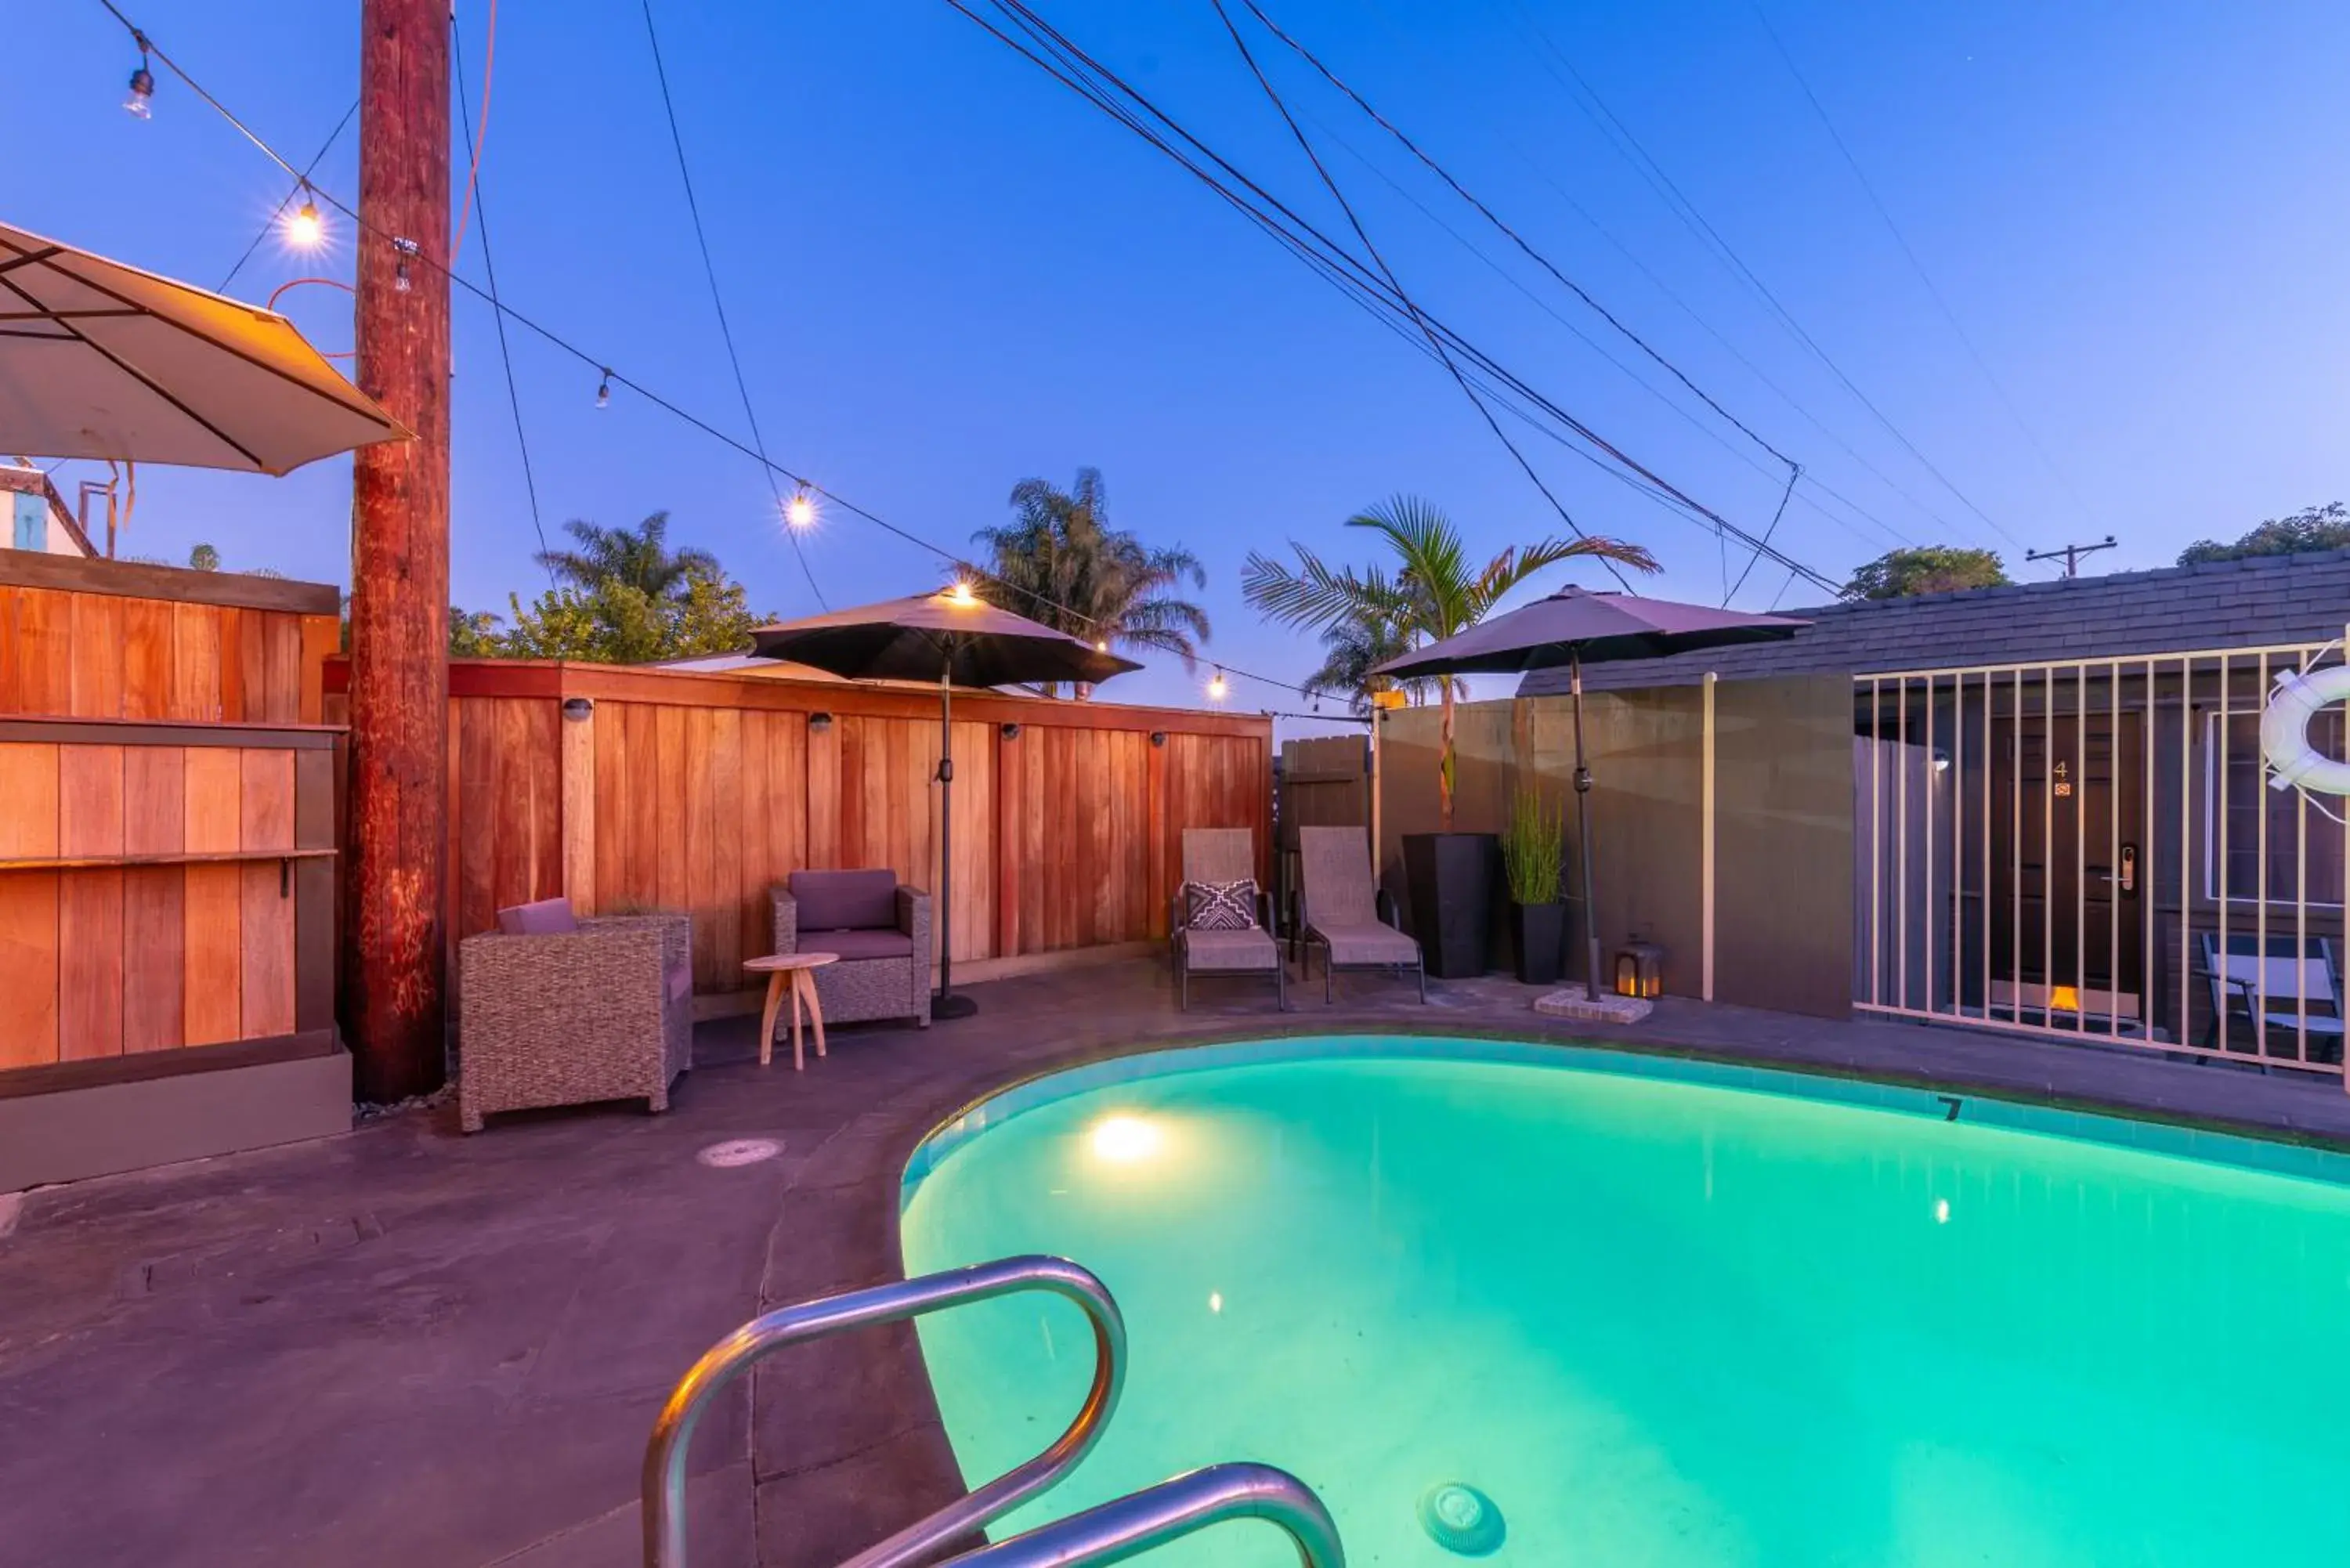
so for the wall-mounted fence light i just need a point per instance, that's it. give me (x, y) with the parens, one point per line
(577, 709)
(1011, 731)
(819, 721)
(1157, 737)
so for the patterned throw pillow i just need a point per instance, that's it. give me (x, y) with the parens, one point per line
(1221, 906)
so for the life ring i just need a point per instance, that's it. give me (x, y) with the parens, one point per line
(2285, 732)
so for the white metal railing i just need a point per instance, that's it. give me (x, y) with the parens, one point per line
(2086, 849)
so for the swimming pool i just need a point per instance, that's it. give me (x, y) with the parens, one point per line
(1660, 1314)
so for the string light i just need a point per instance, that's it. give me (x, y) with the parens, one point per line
(801, 510)
(140, 104)
(305, 230)
(1101, 645)
(604, 390)
(1217, 687)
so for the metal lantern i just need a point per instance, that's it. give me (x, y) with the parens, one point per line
(1640, 970)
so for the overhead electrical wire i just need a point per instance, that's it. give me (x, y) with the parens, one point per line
(302, 178)
(1917, 265)
(718, 303)
(1060, 57)
(1512, 234)
(480, 138)
(480, 214)
(1628, 147)
(1419, 319)
(611, 375)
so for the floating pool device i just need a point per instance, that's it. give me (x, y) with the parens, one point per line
(2285, 732)
(1461, 1519)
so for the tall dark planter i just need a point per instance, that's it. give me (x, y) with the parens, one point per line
(1539, 933)
(1451, 878)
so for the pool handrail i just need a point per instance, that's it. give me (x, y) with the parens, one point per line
(665, 1453)
(1139, 1521)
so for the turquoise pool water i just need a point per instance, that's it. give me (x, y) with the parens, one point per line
(1662, 1314)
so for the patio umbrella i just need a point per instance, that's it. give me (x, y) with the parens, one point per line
(1573, 627)
(955, 639)
(102, 360)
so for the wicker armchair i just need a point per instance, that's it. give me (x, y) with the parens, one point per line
(602, 1012)
(881, 931)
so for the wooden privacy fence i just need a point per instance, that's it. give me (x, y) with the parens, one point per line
(166, 809)
(625, 788)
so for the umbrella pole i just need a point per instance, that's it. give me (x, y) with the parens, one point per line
(1583, 830)
(947, 1005)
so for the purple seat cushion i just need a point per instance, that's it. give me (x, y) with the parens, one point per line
(846, 900)
(857, 944)
(548, 917)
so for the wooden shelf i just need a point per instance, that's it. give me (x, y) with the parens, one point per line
(215, 857)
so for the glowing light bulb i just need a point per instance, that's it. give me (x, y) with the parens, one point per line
(1101, 645)
(961, 593)
(1215, 1301)
(1941, 1211)
(800, 510)
(1217, 687)
(140, 103)
(305, 230)
(604, 391)
(1123, 1140)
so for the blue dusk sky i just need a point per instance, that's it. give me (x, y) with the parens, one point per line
(946, 273)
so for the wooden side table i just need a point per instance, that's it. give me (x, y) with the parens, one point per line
(795, 973)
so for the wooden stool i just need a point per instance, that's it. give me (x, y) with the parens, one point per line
(792, 972)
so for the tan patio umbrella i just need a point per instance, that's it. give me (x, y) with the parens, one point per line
(102, 360)
(1575, 626)
(955, 639)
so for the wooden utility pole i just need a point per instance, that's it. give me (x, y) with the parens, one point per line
(396, 973)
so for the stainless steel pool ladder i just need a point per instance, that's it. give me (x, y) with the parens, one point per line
(1121, 1528)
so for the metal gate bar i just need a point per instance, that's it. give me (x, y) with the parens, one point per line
(2258, 931)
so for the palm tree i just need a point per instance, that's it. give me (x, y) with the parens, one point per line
(1059, 562)
(637, 558)
(1433, 595)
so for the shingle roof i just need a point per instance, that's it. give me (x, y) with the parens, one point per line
(2257, 602)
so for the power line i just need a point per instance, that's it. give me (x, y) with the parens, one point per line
(1628, 147)
(478, 203)
(1733, 592)
(710, 271)
(1916, 265)
(1512, 234)
(1419, 319)
(302, 178)
(1103, 87)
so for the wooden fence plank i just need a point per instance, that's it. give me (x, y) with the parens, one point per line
(211, 960)
(265, 798)
(724, 902)
(700, 832)
(28, 785)
(90, 964)
(213, 816)
(195, 663)
(154, 800)
(97, 657)
(44, 639)
(147, 636)
(154, 938)
(267, 976)
(28, 958)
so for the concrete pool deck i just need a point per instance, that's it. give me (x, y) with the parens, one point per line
(404, 1346)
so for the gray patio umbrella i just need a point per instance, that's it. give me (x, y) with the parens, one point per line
(1572, 627)
(102, 360)
(955, 639)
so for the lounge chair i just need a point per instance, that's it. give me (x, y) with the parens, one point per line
(556, 1011)
(1221, 857)
(1353, 923)
(879, 930)
(2275, 987)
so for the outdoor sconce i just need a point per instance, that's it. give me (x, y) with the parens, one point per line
(1011, 731)
(1640, 970)
(577, 709)
(1157, 737)
(819, 721)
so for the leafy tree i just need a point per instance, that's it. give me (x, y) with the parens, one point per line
(205, 558)
(1060, 562)
(1435, 592)
(471, 634)
(2324, 527)
(638, 558)
(1928, 569)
